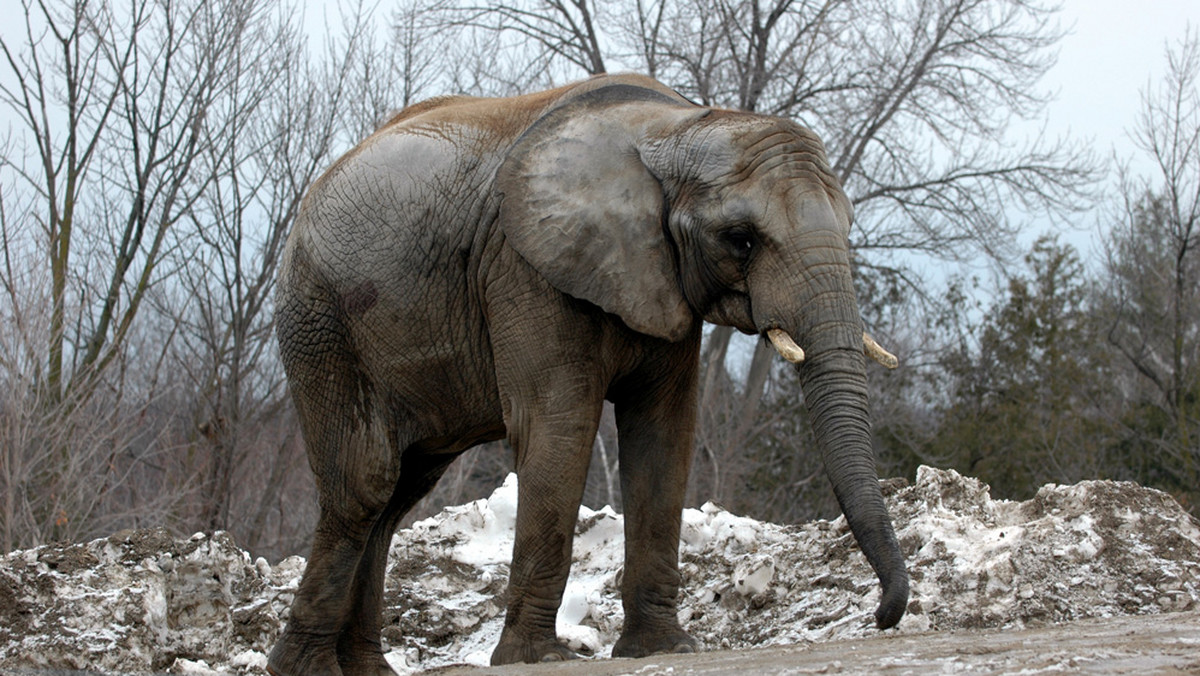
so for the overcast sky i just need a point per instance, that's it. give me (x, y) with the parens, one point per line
(1113, 49)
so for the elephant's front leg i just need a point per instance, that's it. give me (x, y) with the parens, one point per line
(655, 419)
(552, 435)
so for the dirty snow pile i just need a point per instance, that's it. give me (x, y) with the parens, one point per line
(143, 601)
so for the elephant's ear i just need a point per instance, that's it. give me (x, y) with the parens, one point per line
(581, 208)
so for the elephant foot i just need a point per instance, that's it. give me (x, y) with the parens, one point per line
(371, 667)
(360, 653)
(303, 656)
(513, 650)
(635, 643)
(306, 655)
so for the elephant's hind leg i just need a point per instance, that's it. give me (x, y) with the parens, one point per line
(310, 641)
(359, 648)
(356, 469)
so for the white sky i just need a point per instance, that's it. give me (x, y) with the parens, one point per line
(1114, 48)
(1113, 51)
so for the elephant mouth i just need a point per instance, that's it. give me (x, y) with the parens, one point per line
(789, 350)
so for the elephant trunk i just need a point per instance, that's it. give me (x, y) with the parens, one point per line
(825, 322)
(835, 392)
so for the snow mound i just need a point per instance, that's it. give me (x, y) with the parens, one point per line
(142, 601)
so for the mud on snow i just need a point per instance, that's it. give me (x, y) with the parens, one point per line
(144, 601)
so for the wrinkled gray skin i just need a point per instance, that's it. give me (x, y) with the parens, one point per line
(482, 268)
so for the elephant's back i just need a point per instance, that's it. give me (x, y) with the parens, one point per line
(405, 206)
(503, 119)
(415, 199)
(379, 263)
(390, 239)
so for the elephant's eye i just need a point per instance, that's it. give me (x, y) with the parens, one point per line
(740, 240)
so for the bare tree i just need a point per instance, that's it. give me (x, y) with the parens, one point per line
(283, 117)
(376, 72)
(420, 43)
(505, 48)
(951, 75)
(166, 150)
(109, 101)
(913, 101)
(564, 29)
(237, 227)
(64, 95)
(1153, 265)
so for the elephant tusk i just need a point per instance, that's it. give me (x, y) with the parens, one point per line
(787, 348)
(874, 351)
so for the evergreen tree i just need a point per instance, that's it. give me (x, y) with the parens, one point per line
(1024, 406)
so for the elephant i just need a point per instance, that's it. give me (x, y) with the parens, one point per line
(486, 268)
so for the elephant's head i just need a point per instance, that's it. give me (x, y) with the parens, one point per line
(659, 212)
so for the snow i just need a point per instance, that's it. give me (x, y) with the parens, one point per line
(142, 601)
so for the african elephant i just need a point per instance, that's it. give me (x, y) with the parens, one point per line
(482, 268)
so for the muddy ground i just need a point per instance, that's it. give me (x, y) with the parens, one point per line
(1154, 644)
